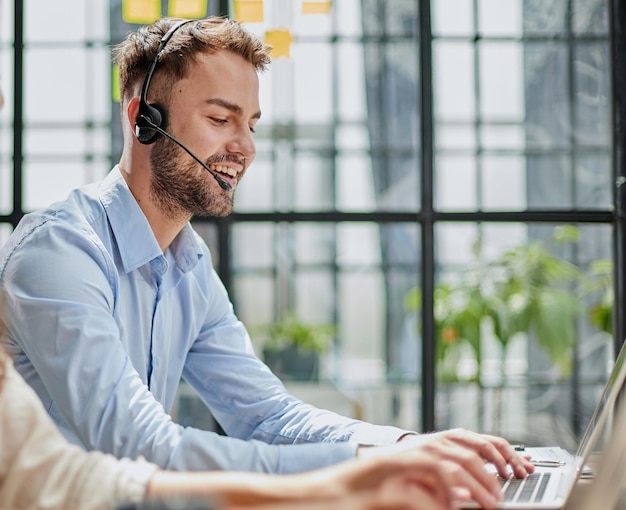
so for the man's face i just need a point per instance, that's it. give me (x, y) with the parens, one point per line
(213, 112)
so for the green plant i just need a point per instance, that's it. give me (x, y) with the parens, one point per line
(527, 289)
(290, 331)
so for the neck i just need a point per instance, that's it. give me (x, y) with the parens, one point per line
(165, 225)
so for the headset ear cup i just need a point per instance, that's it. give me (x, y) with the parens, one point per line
(149, 115)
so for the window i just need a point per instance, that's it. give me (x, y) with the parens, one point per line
(403, 145)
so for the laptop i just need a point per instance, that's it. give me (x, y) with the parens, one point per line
(610, 483)
(556, 470)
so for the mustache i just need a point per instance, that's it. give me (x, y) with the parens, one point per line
(221, 158)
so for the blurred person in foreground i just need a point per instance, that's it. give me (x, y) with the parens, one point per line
(113, 296)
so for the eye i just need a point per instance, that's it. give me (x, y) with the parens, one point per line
(218, 120)
(252, 130)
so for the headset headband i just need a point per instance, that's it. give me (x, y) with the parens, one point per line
(166, 37)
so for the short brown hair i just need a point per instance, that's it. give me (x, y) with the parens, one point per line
(208, 35)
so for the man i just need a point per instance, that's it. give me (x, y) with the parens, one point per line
(113, 296)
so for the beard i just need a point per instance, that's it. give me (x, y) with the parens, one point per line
(181, 187)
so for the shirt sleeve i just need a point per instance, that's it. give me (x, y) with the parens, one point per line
(39, 469)
(74, 360)
(250, 402)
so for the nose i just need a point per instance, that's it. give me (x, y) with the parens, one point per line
(242, 143)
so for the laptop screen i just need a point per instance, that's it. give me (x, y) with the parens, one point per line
(605, 406)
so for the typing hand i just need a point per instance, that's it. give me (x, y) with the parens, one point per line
(493, 449)
(463, 467)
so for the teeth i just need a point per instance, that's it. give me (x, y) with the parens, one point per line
(224, 170)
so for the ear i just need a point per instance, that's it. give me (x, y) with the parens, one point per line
(133, 111)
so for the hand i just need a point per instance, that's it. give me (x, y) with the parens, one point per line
(409, 480)
(462, 468)
(492, 449)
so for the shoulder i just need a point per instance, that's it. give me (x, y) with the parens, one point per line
(62, 242)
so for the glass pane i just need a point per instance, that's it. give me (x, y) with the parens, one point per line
(503, 183)
(6, 82)
(313, 183)
(47, 182)
(503, 136)
(312, 78)
(352, 104)
(356, 190)
(455, 136)
(255, 191)
(67, 141)
(548, 112)
(497, 18)
(358, 244)
(252, 246)
(545, 17)
(352, 137)
(362, 324)
(317, 25)
(590, 17)
(453, 81)
(501, 81)
(348, 16)
(255, 312)
(315, 243)
(6, 187)
(455, 183)
(80, 20)
(550, 183)
(54, 104)
(593, 187)
(592, 93)
(400, 18)
(461, 24)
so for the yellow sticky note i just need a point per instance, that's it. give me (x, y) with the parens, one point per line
(280, 40)
(187, 8)
(249, 11)
(115, 83)
(316, 7)
(141, 11)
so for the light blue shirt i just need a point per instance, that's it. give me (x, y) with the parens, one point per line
(103, 325)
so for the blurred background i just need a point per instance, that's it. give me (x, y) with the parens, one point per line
(430, 223)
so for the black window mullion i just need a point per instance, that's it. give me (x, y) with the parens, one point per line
(425, 100)
(617, 31)
(18, 112)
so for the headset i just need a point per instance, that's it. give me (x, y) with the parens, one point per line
(151, 117)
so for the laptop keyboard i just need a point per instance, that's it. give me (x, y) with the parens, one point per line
(523, 489)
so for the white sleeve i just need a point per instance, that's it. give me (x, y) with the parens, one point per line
(39, 469)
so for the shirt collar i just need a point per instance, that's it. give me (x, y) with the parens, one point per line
(136, 242)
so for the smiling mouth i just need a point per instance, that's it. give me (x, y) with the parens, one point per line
(224, 170)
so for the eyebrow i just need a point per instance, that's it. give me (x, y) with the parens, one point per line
(231, 106)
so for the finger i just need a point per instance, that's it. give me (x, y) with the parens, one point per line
(423, 469)
(468, 484)
(466, 469)
(498, 451)
(416, 495)
(494, 449)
